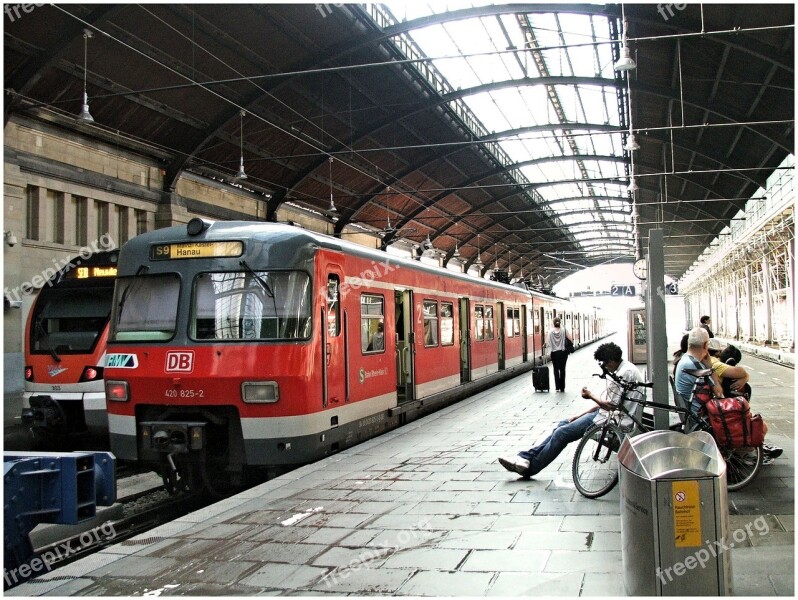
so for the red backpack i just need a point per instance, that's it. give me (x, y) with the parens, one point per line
(732, 423)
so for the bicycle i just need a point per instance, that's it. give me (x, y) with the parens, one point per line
(595, 462)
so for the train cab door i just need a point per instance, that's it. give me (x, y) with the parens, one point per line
(465, 340)
(334, 337)
(405, 347)
(501, 325)
(543, 329)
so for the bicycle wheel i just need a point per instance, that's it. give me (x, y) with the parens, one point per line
(742, 465)
(595, 466)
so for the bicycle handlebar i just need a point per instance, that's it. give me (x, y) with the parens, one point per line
(629, 385)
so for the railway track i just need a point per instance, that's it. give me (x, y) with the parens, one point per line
(143, 504)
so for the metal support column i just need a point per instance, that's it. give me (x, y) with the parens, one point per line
(655, 319)
(749, 273)
(766, 298)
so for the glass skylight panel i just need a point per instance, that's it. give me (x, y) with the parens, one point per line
(435, 41)
(561, 190)
(486, 111)
(570, 45)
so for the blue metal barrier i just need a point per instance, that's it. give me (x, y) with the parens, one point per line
(50, 487)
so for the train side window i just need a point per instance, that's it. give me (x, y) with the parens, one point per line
(488, 322)
(479, 321)
(333, 305)
(447, 324)
(536, 320)
(430, 323)
(372, 324)
(513, 323)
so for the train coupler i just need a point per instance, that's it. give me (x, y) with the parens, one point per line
(172, 437)
(44, 413)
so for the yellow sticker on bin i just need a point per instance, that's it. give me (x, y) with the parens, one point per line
(686, 514)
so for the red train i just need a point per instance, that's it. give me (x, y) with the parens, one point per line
(65, 337)
(238, 345)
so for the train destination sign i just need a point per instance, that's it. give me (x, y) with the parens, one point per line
(92, 272)
(196, 250)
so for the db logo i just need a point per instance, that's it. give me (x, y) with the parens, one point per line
(179, 362)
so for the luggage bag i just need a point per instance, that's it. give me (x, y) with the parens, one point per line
(540, 378)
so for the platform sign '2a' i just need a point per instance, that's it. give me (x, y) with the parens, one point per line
(622, 290)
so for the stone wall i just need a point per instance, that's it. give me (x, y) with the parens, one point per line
(64, 192)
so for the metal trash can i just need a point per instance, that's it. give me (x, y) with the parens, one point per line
(674, 515)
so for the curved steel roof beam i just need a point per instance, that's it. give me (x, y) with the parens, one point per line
(429, 104)
(431, 202)
(742, 43)
(458, 148)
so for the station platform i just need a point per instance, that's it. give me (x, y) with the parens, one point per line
(426, 510)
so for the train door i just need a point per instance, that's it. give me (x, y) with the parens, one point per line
(334, 347)
(501, 325)
(405, 349)
(542, 323)
(465, 341)
(524, 340)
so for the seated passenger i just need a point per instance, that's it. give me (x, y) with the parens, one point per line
(610, 356)
(698, 357)
(734, 381)
(732, 378)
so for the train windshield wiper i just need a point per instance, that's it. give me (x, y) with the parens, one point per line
(264, 284)
(142, 269)
(45, 337)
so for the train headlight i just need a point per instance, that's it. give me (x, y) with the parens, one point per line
(117, 391)
(91, 374)
(260, 392)
(28, 373)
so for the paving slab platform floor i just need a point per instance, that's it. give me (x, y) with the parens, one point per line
(426, 510)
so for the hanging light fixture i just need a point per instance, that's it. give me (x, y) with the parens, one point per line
(428, 244)
(84, 114)
(625, 62)
(631, 143)
(633, 187)
(332, 212)
(456, 253)
(241, 173)
(478, 261)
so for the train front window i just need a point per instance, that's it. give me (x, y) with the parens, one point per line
(252, 305)
(145, 308)
(69, 321)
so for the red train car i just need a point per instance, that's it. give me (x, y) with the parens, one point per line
(65, 338)
(239, 344)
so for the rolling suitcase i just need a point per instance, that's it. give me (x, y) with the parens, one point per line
(540, 378)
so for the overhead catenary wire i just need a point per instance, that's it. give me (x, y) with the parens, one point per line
(424, 201)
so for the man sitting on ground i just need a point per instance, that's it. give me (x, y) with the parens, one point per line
(610, 356)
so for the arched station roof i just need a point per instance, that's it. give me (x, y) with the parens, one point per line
(497, 131)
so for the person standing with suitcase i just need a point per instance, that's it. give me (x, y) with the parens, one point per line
(559, 354)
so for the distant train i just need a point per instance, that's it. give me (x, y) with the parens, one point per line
(237, 345)
(65, 337)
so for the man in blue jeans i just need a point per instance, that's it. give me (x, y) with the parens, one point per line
(534, 460)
